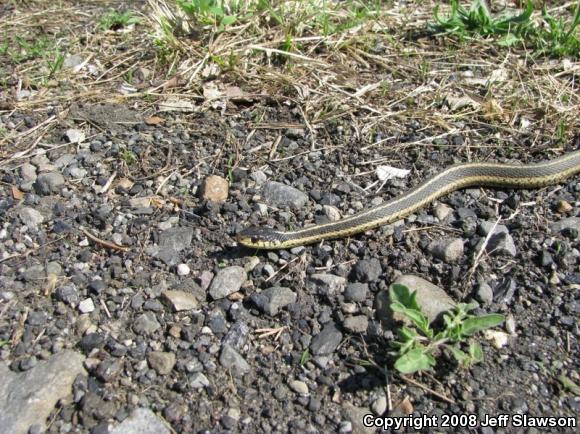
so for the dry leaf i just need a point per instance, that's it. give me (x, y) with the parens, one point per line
(125, 183)
(16, 193)
(406, 406)
(154, 120)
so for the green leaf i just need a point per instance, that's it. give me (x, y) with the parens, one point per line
(416, 316)
(228, 19)
(508, 40)
(460, 356)
(415, 360)
(402, 294)
(475, 324)
(476, 352)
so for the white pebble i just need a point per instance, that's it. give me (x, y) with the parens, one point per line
(183, 270)
(87, 305)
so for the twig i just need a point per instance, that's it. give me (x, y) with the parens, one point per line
(104, 243)
(427, 389)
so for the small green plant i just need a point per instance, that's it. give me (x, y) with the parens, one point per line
(115, 20)
(209, 12)
(419, 344)
(230, 175)
(556, 39)
(128, 157)
(55, 65)
(304, 357)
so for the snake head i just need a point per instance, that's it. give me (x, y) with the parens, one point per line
(261, 238)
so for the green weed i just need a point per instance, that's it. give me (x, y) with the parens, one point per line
(115, 20)
(419, 344)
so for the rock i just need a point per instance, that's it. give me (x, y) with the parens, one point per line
(379, 405)
(232, 360)
(497, 338)
(432, 300)
(328, 284)
(139, 202)
(281, 195)
(331, 212)
(227, 281)
(326, 341)
(236, 335)
(271, 300)
(485, 228)
(356, 292)
(570, 223)
(28, 398)
(448, 250)
(28, 173)
(300, 387)
(198, 381)
(356, 415)
(215, 189)
(183, 270)
(180, 300)
(72, 61)
(162, 362)
(442, 211)
(86, 306)
(171, 242)
(484, 293)
(30, 217)
(68, 294)
(563, 207)
(367, 270)
(48, 183)
(141, 421)
(356, 324)
(500, 242)
(74, 136)
(258, 177)
(505, 290)
(146, 324)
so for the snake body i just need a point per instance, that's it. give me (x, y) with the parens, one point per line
(451, 179)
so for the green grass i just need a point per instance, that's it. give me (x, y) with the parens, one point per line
(419, 344)
(551, 36)
(115, 20)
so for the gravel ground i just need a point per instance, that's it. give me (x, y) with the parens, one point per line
(126, 272)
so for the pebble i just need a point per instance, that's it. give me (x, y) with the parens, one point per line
(48, 183)
(379, 405)
(271, 300)
(141, 421)
(328, 284)
(258, 177)
(497, 338)
(31, 217)
(87, 305)
(510, 324)
(146, 324)
(356, 292)
(227, 281)
(484, 293)
(74, 135)
(367, 270)
(28, 173)
(570, 223)
(161, 362)
(356, 324)
(198, 380)
(448, 250)
(502, 243)
(331, 212)
(183, 270)
(300, 387)
(281, 195)
(232, 360)
(326, 341)
(180, 300)
(215, 189)
(442, 211)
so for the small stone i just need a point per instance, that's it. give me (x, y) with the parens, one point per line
(232, 360)
(30, 217)
(146, 324)
(570, 223)
(183, 270)
(356, 324)
(379, 405)
(442, 211)
(74, 135)
(68, 294)
(215, 189)
(198, 381)
(448, 250)
(87, 305)
(139, 202)
(564, 207)
(227, 281)
(484, 293)
(497, 338)
(300, 387)
(356, 292)
(72, 61)
(281, 195)
(271, 300)
(510, 324)
(28, 172)
(502, 243)
(48, 183)
(326, 341)
(258, 177)
(180, 300)
(367, 270)
(141, 421)
(328, 284)
(331, 212)
(162, 362)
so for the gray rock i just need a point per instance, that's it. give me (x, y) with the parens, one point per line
(259, 177)
(227, 281)
(271, 300)
(162, 362)
(28, 172)
(146, 324)
(68, 294)
(356, 416)
(30, 217)
(281, 195)
(48, 183)
(198, 381)
(356, 292)
(570, 223)
(87, 305)
(300, 387)
(448, 250)
(74, 136)
(28, 398)
(484, 293)
(367, 270)
(328, 284)
(236, 335)
(432, 300)
(331, 212)
(501, 244)
(485, 228)
(379, 405)
(180, 300)
(442, 211)
(172, 241)
(72, 61)
(326, 341)
(141, 421)
(64, 161)
(356, 324)
(232, 360)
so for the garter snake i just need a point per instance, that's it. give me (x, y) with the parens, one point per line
(451, 179)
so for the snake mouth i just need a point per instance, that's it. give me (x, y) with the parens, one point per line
(261, 238)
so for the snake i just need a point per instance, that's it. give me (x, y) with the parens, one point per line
(452, 178)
